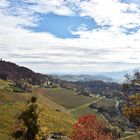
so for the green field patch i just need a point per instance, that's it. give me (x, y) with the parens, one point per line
(65, 97)
(86, 110)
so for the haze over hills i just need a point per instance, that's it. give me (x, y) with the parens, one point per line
(120, 75)
(70, 77)
(40, 78)
(104, 76)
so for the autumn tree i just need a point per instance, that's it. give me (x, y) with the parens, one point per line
(29, 117)
(131, 89)
(89, 128)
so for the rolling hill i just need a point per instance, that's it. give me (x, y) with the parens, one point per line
(61, 105)
(11, 71)
(53, 117)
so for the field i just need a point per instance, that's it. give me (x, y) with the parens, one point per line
(65, 97)
(131, 136)
(60, 109)
(53, 117)
(55, 104)
(106, 103)
(85, 110)
(50, 118)
(77, 105)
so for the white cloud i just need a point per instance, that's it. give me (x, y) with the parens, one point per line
(3, 4)
(96, 50)
(111, 12)
(46, 6)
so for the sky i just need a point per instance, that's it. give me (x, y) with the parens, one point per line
(71, 36)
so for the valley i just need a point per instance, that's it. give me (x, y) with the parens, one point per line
(69, 70)
(61, 104)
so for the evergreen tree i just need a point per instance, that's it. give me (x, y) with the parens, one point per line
(29, 117)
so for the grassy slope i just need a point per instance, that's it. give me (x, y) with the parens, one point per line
(75, 104)
(66, 98)
(52, 118)
(53, 102)
(85, 110)
(5, 84)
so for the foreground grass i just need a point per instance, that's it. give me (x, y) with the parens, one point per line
(53, 117)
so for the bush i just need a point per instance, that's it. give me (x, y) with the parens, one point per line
(89, 128)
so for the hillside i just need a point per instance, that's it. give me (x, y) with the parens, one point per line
(11, 71)
(53, 117)
(62, 103)
(58, 105)
(24, 78)
(65, 97)
(59, 111)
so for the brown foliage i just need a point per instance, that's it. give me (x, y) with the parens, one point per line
(132, 91)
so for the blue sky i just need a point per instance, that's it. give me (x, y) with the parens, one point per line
(61, 26)
(71, 36)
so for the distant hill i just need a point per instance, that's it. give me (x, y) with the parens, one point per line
(118, 76)
(22, 77)
(84, 78)
(25, 78)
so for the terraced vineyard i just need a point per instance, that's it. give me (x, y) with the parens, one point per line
(65, 97)
(53, 117)
(60, 109)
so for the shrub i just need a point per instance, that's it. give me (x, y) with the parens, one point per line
(89, 128)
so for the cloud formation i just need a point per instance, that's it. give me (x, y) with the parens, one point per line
(113, 46)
